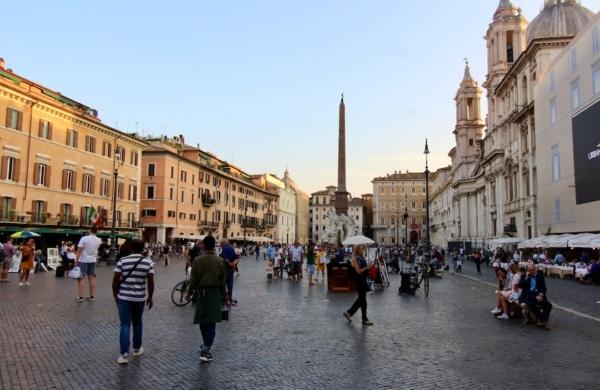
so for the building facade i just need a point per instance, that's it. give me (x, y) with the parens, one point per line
(567, 117)
(494, 173)
(59, 161)
(442, 213)
(188, 193)
(395, 195)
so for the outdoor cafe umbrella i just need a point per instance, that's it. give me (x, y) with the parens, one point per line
(24, 234)
(358, 240)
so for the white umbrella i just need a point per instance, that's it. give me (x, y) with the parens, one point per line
(358, 240)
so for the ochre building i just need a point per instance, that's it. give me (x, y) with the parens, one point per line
(58, 161)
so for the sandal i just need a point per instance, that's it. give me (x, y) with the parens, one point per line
(347, 316)
(367, 323)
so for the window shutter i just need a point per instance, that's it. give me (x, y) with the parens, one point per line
(64, 179)
(8, 111)
(49, 131)
(17, 169)
(4, 170)
(129, 193)
(41, 127)
(13, 202)
(74, 139)
(19, 120)
(45, 206)
(33, 214)
(83, 183)
(48, 175)
(82, 216)
(92, 187)
(74, 185)
(36, 173)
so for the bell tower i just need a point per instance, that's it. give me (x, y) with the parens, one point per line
(469, 124)
(505, 39)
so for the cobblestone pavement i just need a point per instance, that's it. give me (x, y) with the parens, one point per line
(290, 336)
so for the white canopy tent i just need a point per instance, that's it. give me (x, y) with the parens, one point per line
(502, 241)
(583, 240)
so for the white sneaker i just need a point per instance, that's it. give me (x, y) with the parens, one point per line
(123, 359)
(138, 352)
(496, 311)
(20, 283)
(27, 283)
(504, 316)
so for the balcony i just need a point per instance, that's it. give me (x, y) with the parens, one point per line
(208, 225)
(207, 201)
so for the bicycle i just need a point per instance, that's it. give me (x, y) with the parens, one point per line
(423, 272)
(179, 294)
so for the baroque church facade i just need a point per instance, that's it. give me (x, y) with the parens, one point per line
(490, 190)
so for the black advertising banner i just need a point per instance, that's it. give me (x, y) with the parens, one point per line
(586, 154)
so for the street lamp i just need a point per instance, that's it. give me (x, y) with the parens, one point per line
(406, 219)
(426, 152)
(245, 216)
(117, 163)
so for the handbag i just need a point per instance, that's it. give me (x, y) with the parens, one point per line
(225, 312)
(75, 273)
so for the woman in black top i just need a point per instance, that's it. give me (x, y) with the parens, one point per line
(361, 268)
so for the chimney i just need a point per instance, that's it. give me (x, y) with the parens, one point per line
(1, 63)
(181, 139)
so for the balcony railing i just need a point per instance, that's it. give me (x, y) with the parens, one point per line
(207, 201)
(208, 224)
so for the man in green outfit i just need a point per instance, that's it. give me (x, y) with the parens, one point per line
(207, 280)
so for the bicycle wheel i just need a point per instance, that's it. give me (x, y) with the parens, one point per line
(426, 283)
(179, 294)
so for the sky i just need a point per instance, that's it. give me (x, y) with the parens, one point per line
(258, 83)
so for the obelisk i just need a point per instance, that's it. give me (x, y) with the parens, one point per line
(341, 195)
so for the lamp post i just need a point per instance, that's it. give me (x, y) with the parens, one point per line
(426, 152)
(117, 163)
(245, 216)
(406, 219)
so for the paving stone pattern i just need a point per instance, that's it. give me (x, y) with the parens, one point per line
(290, 336)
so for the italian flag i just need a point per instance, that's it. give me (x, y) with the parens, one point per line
(93, 216)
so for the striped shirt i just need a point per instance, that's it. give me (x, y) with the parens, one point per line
(134, 287)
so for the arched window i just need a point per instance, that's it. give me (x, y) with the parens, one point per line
(524, 92)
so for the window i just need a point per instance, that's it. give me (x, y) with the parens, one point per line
(120, 190)
(45, 130)
(471, 142)
(68, 182)
(133, 158)
(183, 176)
(120, 153)
(14, 119)
(557, 210)
(552, 82)
(105, 187)
(10, 168)
(171, 214)
(595, 41)
(90, 144)
(172, 172)
(413, 190)
(106, 149)
(182, 196)
(71, 138)
(41, 175)
(151, 169)
(171, 193)
(414, 204)
(555, 163)
(150, 192)
(573, 55)
(575, 98)
(88, 183)
(192, 197)
(132, 195)
(149, 212)
(193, 177)
(597, 81)
(553, 112)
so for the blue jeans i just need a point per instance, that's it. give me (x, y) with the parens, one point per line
(208, 335)
(130, 313)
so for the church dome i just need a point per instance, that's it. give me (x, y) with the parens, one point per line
(559, 18)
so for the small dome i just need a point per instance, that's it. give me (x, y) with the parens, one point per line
(559, 18)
